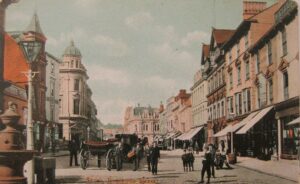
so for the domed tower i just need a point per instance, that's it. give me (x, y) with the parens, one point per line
(73, 87)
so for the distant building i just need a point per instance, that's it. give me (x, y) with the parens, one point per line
(199, 91)
(142, 121)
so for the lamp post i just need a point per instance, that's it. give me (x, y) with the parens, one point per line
(31, 50)
(88, 133)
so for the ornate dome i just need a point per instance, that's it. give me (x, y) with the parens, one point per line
(71, 50)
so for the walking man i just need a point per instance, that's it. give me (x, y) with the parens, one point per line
(206, 163)
(154, 155)
(147, 153)
(73, 152)
(212, 150)
(184, 161)
(191, 159)
(119, 154)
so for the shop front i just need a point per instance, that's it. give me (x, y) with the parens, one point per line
(258, 137)
(290, 137)
(287, 113)
(193, 138)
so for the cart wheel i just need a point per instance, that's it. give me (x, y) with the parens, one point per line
(109, 159)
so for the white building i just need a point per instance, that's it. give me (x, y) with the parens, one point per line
(54, 128)
(74, 109)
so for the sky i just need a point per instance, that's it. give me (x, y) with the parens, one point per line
(135, 51)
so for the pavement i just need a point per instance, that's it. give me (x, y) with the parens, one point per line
(287, 169)
(56, 154)
(247, 170)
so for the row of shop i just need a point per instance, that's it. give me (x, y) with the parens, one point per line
(194, 138)
(270, 132)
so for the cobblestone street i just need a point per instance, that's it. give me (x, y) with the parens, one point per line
(170, 171)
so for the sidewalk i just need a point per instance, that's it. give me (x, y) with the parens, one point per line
(56, 154)
(287, 169)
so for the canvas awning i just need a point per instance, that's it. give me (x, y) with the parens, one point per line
(190, 134)
(243, 122)
(294, 122)
(254, 120)
(172, 135)
(223, 132)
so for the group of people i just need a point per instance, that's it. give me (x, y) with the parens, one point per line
(188, 160)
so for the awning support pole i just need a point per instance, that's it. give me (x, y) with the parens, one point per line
(279, 138)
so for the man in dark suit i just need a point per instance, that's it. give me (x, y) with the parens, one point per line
(73, 152)
(154, 155)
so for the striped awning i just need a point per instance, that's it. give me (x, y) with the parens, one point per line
(254, 120)
(190, 134)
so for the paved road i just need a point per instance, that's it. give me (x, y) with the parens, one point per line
(170, 171)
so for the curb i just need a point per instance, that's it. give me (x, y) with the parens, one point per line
(270, 174)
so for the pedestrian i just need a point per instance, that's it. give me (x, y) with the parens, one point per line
(206, 162)
(191, 159)
(138, 155)
(147, 153)
(184, 161)
(212, 150)
(224, 154)
(154, 155)
(119, 155)
(73, 152)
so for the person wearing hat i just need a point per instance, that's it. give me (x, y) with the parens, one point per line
(191, 160)
(184, 160)
(147, 153)
(206, 164)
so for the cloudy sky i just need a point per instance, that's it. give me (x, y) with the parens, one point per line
(136, 51)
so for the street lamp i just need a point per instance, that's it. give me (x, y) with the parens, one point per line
(31, 49)
(88, 132)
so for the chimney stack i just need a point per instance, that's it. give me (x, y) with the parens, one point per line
(251, 8)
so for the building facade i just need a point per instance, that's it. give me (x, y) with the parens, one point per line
(275, 59)
(215, 72)
(73, 95)
(53, 130)
(142, 121)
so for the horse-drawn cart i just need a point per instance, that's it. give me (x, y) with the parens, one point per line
(91, 149)
(118, 150)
